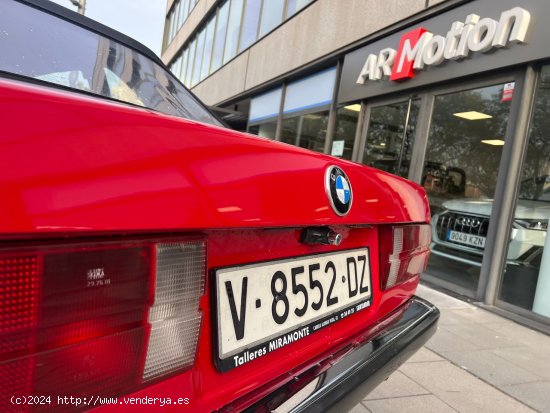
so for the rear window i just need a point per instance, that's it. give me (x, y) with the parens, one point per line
(41, 46)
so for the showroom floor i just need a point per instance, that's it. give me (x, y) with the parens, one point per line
(476, 362)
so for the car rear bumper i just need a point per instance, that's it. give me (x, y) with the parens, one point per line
(341, 381)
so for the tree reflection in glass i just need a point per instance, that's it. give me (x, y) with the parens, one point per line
(465, 145)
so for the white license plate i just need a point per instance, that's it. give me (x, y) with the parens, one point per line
(265, 306)
(466, 239)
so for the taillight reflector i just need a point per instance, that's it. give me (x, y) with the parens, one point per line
(97, 319)
(404, 252)
(174, 317)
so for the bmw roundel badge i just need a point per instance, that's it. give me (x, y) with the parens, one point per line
(338, 189)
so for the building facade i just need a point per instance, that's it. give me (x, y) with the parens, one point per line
(451, 94)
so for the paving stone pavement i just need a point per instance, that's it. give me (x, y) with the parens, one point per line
(477, 361)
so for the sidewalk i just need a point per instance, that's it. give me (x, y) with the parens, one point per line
(477, 361)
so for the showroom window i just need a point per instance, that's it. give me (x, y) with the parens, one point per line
(306, 110)
(465, 143)
(390, 136)
(526, 279)
(264, 111)
(347, 118)
(307, 131)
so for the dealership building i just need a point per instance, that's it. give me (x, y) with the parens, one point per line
(451, 94)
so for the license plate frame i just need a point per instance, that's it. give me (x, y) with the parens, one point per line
(229, 360)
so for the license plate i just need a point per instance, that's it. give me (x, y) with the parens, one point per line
(466, 239)
(265, 306)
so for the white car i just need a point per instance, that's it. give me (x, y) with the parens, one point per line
(460, 230)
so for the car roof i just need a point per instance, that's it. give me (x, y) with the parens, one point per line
(89, 24)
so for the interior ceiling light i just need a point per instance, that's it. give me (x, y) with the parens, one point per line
(472, 115)
(355, 108)
(495, 142)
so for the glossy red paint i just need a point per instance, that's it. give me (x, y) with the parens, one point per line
(205, 386)
(77, 164)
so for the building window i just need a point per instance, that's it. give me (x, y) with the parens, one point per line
(266, 129)
(183, 5)
(390, 136)
(178, 15)
(264, 111)
(184, 64)
(306, 131)
(265, 105)
(344, 133)
(219, 40)
(305, 111)
(251, 20)
(460, 175)
(191, 61)
(272, 15)
(208, 44)
(310, 92)
(233, 26)
(526, 279)
(198, 57)
(294, 6)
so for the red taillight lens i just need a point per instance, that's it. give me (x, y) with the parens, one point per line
(83, 320)
(404, 252)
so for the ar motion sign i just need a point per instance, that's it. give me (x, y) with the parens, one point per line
(420, 48)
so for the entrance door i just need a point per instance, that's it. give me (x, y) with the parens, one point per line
(390, 135)
(465, 141)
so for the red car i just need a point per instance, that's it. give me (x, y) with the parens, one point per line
(153, 260)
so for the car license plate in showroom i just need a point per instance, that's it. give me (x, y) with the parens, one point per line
(265, 306)
(466, 239)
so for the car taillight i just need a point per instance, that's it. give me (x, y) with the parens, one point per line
(404, 252)
(96, 319)
(175, 316)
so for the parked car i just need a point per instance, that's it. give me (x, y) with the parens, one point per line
(460, 230)
(151, 254)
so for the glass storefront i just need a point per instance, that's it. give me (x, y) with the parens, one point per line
(347, 118)
(457, 127)
(390, 136)
(306, 131)
(265, 130)
(460, 174)
(466, 133)
(526, 279)
(264, 110)
(304, 107)
(451, 117)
